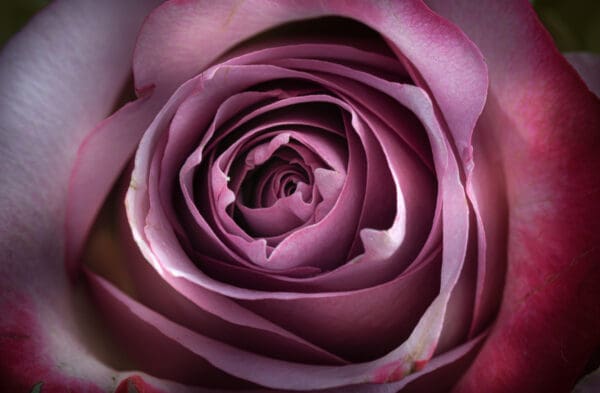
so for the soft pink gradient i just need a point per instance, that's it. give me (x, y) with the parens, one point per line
(444, 226)
(545, 125)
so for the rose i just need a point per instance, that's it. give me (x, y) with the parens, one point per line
(529, 171)
(523, 310)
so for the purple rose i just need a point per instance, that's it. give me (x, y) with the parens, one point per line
(324, 196)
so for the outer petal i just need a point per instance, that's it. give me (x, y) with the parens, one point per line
(58, 77)
(436, 377)
(547, 127)
(203, 31)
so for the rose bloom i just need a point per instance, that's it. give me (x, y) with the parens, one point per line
(324, 196)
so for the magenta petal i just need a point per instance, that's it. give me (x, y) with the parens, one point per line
(30, 352)
(487, 192)
(549, 157)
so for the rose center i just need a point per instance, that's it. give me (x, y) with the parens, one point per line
(275, 179)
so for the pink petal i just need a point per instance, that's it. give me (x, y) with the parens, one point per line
(30, 355)
(284, 215)
(165, 358)
(180, 38)
(544, 124)
(186, 355)
(58, 79)
(195, 353)
(460, 94)
(95, 171)
(214, 315)
(164, 252)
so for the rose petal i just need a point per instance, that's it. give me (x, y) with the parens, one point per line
(164, 358)
(180, 38)
(551, 162)
(229, 81)
(212, 314)
(412, 182)
(61, 53)
(193, 350)
(94, 174)
(165, 253)
(460, 94)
